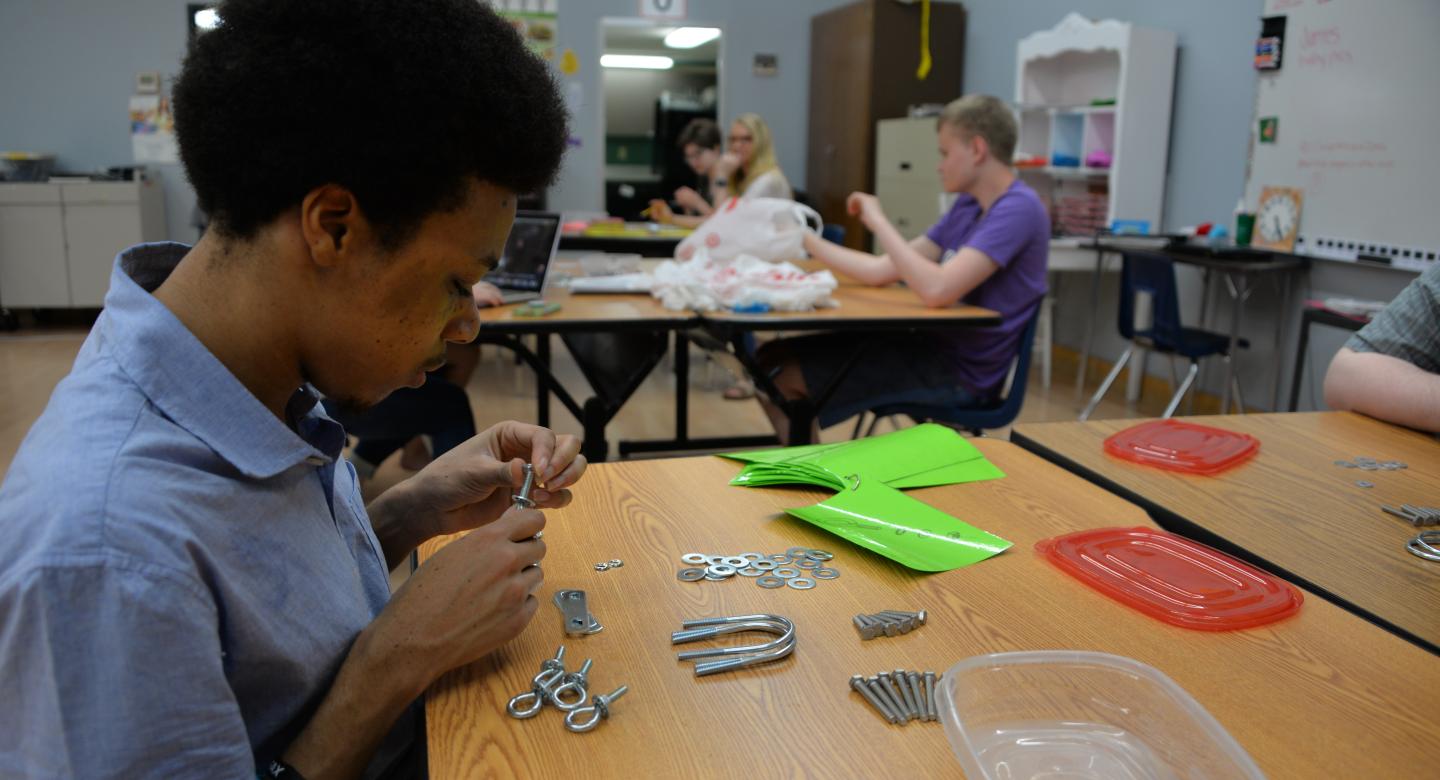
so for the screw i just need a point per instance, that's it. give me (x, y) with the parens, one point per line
(904, 678)
(901, 625)
(865, 626)
(915, 685)
(895, 696)
(857, 683)
(917, 617)
(897, 678)
(522, 498)
(930, 695)
(884, 695)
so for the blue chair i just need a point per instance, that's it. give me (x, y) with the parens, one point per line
(975, 419)
(1154, 275)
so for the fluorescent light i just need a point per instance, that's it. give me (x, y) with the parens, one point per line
(207, 19)
(636, 61)
(690, 37)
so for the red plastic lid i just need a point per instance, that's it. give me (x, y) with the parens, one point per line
(1182, 446)
(1173, 579)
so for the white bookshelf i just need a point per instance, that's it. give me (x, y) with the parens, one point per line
(1084, 88)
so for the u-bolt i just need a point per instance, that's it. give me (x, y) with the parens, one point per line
(587, 718)
(737, 657)
(575, 682)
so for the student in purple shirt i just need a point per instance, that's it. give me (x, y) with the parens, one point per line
(990, 250)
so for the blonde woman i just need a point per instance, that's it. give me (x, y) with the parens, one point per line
(749, 169)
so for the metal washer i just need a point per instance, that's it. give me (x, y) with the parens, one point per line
(770, 582)
(764, 565)
(695, 559)
(786, 572)
(824, 573)
(735, 561)
(719, 570)
(797, 552)
(819, 555)
(749, 572)
(778, 558)
(800, 583)
(690, 575)
(809, 563)
(751, 556)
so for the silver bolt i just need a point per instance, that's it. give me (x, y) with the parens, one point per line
(916, 617)
(898, 679)
(930, 693)
(522, 498)
(914, 679)
(857, 683)
(883, 694)
(904, 678)
(865, 626)
(894, 694)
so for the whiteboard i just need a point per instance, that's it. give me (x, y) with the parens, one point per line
(1358, 103)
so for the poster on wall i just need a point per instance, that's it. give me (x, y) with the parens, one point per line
(152, 130)
(537, 28)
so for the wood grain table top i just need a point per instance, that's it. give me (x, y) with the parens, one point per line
(1291, 506)
(1318, 694)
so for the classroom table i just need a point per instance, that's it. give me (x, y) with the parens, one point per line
(860, 308)
(1291, 510)
(646, 239)
(1320, 694)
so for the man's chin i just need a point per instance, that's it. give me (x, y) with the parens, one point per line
(349, 406)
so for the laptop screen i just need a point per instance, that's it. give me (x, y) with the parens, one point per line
(528, 252)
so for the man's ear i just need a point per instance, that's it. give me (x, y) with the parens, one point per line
(979, 147)
(332, 224)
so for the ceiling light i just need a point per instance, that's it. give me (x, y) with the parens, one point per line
(207, 18)
(636, 61)
(690, 37)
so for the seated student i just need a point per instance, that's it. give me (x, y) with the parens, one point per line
(749, 168)
(190, 584)
(700, 141)
(990, 249)
(1390, 369)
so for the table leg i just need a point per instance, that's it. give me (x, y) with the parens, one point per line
(682, 385)
(1238, 295)
(1089, 344)
(1280, 341)
(542, 388)
(1300, 354)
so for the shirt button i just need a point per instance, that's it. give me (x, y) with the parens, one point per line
(316, 460)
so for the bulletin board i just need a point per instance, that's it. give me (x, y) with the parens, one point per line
(1355, 114)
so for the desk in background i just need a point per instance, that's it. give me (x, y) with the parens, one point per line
(1317, 314)
(646, 239)
(1291, 509)
(1318, 695)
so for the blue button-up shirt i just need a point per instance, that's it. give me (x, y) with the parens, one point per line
(181, 572)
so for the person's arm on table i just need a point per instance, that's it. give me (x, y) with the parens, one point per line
(1383, 387)
(936, 285)
(690, 199)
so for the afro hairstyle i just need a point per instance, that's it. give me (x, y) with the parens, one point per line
(400, 101)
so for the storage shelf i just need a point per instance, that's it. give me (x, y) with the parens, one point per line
(1079, 109)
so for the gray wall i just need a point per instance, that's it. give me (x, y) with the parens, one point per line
(67, 70)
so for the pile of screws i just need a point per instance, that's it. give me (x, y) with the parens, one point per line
(1417, 515)
(889, 622)
(899, 696)
(567, 692)
(769, 571)
(1370, 464)
(613, 563)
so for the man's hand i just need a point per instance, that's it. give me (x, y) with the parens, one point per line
(486, 294)
(690, 199)
(867, 208)
(472, 485)
(660, 211)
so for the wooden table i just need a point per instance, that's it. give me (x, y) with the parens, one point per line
(1318, 695)
(1291, 509)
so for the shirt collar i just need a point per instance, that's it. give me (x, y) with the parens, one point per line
(188, 384)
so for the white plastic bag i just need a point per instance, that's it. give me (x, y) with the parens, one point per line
(705, 284)
(770, 229)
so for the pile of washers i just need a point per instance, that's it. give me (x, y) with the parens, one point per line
(899, 696)
(769, 571)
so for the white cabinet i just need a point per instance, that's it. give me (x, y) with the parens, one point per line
(906, 182)
(58, 241)
(1094, 104)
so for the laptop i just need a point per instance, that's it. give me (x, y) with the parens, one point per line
(529, 252)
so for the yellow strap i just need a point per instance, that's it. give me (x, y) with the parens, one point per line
(924, 69)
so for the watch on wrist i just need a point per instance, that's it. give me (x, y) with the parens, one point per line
(719, 183)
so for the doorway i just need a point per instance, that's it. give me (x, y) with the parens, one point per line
(656, 79)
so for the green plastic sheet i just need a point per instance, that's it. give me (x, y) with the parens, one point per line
(869, 509)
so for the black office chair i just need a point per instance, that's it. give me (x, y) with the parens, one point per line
(1144, 272)
(976, 419)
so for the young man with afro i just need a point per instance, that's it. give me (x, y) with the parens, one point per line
(190, 584)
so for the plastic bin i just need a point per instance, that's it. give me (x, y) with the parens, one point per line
(1074, 715)
(25, 166)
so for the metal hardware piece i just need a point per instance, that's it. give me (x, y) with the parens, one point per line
(764, 564)
(824, 573)
(694, 559)
(586, 718)
(819, 555)
(574, 681)
(903, 683)
(736, 562)
(567, 601)
(930, 695)
(919, 688)
(690, 575)
(528, 704)
(875, 684)
(797, 552)
(1364, 483)
(785, 572)
(522, 497)
(721, 570)
(770, 582)
(895, 693)
(800, 583)
(857, 684)
(735, 657)
(750, 572)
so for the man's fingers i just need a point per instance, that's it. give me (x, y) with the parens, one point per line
(523, 523)
(553, 500)
(561, 471)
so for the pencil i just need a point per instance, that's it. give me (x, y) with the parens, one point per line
(645, 212)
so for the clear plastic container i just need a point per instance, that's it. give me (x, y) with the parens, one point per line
(1074, 715)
